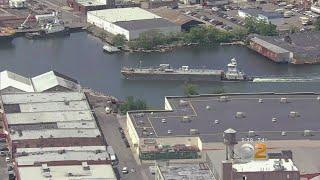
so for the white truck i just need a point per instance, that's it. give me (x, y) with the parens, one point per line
(111, 153)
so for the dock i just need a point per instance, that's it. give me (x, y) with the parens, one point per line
(74, 27)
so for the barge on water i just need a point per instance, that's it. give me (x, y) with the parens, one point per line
(165, 72)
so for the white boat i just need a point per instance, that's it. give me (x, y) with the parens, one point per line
(111, 49)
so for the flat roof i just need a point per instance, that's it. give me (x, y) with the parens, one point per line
(145, 24)
(49, 117)
(22, 98)
(42, 156)
(271, 47)
(52, 149)
(202, 111)
(189, 171)
(264, 165)
(91, 2)
(103, 171)
(258, 12)
(123, 14)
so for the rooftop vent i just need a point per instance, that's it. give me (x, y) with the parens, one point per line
(251, 133)
(318, 98)
(260, 100)
(283, 100)
(307, 132)
(240, 115)
(183, 102)
(85, 166)
(194, 131)
(283, 133)
(186, 119)
(216, 121)
(169, 132)
(45, 170)
(140, 122)
(294, 114)
(274, 120)
(163, 120)
(208, 107)
(224, 98)
(66, 102)
(278, 166)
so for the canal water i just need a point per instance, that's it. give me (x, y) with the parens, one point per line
(81, 56)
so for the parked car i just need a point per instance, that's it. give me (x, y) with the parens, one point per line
(120, 130)
(126, 143)
(8, 159)
(125, 170)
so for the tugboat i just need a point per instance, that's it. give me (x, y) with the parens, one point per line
(165, 72)
(6, 34)
(55, 28)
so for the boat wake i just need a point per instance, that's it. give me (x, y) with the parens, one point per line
(287, 79)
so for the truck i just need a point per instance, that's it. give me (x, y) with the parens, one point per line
(111, 153)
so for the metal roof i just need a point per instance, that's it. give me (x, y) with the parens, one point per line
(101, 172)
(10, 79)
(52, 79)
(123, 14)
(145, 24)
(202, 111)
(271, 47)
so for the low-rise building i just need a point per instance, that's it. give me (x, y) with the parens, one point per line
(269, 17)
(130, 22)
(84, 6)
(17, 4)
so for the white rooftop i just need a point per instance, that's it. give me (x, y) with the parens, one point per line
(55, 106)
(42, 97)
(264, 165)
(51, 79)
(10, 79)
(123, 14)
(47, 117)
(54, 133)
(92, 2)
(75, 172)
(56, 149)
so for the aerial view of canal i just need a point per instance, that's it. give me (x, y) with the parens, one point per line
(81, 57)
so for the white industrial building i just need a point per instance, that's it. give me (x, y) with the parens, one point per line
(130, 22)
(17, 4)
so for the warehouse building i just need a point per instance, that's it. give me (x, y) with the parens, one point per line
(55, 135)
(269, 17)
(130, 22)
(185, 22)
(48, 82)
(297, 48)
(190, 125)
(84, 6)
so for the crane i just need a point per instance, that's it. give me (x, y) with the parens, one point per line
(23, 25)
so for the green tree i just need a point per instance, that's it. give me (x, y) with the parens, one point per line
(260, 27)
(118, 40)
(317, 25)
(131, 104)
(240, 33)
(190, 89)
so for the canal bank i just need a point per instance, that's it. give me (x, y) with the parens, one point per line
(80, 55)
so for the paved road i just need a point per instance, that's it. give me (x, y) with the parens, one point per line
(3, 169)
(109, 126)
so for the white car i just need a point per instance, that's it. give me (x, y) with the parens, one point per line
(108, 110)
(125, 170)
(8, 159)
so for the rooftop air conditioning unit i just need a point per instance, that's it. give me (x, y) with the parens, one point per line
(85, 166)
(283, 100)
(260, 100)
(216, 121)
(183, 102)
(163, 120)
(294, 114)
(194, 131)
(274, 120)
(240, 115)
(307, 132)
(251, 133)
(169, 132)
(224, 98)
(208, 107)
(283, 133)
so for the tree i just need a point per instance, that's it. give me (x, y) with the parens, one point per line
(261, 27)
(131, 104)
(118, 40)
(190, 89)
(317, 25)
(239, 33)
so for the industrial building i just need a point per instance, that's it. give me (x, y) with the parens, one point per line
(54, 135)
(159, 3)
(84, 6)
(130, 22)
(185, 22)
(189, 125)
(48, 82)
(297, 48)
(269, 17)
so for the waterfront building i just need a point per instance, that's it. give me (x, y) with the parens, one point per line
(130, 22)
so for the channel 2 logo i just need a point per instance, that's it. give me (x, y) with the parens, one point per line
(259, 151)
